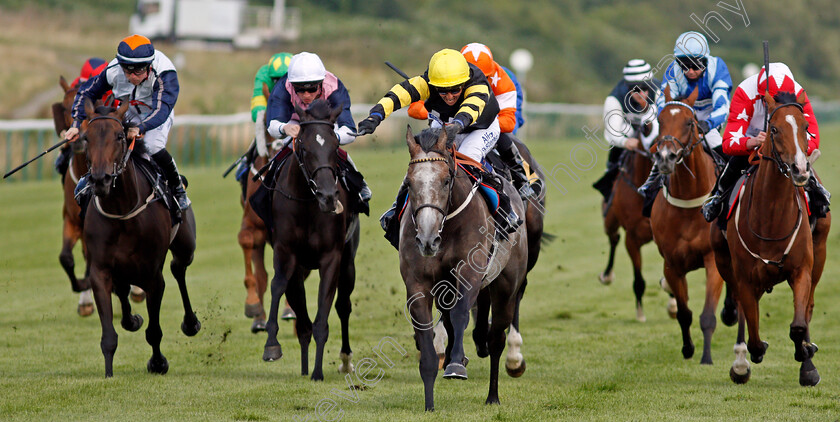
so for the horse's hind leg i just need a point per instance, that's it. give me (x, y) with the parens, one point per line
(157, 363)
(130, 322)
(708, 321)
(504, 306)
(482, 327)
(611, 229)
(183, 248)
(70, 236)
(253, 306)
(515, 362)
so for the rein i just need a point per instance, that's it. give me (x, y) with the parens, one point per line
(682, 154)
(127, 149)
(450, 165)
(775, 157)
(309, 176)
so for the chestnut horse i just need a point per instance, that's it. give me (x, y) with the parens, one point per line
(127, 239)
(679, 229)
(624, 210)
(313, 228)
(72, 230)
(449, 228)
(768, 239)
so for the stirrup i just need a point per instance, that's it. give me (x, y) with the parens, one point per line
(181, 197)
(386, 217)
(712, 207)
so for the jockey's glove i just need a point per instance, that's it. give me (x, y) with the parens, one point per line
(703, 125)
(454, 128)
(369, 124)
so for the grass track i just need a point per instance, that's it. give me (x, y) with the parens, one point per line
(588, 358)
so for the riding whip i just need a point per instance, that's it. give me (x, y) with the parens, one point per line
(36, 157)
(767, 80)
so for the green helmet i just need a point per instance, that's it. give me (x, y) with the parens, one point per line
(278, 65)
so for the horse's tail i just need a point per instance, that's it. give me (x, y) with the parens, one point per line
(547, 238)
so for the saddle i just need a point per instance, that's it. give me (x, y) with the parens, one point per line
(146, 167)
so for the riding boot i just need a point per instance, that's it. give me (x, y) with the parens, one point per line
(355, 183)
(62, 162)
(173, 178)
(513, 160)
(820, 197)
(653, 182)
(713, 206)
(82, 194)
(388, 220)
(505, 217)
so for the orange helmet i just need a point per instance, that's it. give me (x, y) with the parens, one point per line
(479, 55)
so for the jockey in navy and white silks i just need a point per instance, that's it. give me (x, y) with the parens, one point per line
(693, 67)
(147, 79)
(629, 107)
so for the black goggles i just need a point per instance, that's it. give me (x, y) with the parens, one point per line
(692, 63)
(450, 89)
(639, 87)
(306, 87)
(135, 69)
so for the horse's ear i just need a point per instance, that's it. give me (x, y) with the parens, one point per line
(89, 109)
(802, 99)
(334, 113)
(693, 97)
(266, 91)
(123, 108)
(63, 82)
(443, 140)
(771, 103)
(667, 93)
(410, 141)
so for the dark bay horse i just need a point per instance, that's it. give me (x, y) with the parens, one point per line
(768, 239)
(679, 229)
(624, 211)
(313, 229)
(448, 253)
(128, 233)
(72, 230)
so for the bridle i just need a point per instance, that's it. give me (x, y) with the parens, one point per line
(450, 164)
(694, 139)
(120, 165)
(313, 187)
(775, 157)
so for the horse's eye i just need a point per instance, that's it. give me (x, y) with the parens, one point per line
(773, 130)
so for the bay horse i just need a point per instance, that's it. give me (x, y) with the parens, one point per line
(679, 229)
(623, 210)
(768, 239)
(127, 239)
(448, 254)
(72, 229)
(313, 228)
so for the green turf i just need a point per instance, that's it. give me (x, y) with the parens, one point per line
(588, 358)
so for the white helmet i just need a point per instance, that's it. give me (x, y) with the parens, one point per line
(306, 67)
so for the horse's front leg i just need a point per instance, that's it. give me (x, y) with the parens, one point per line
(708, 321)
(419, 304)
(343, 306)
(284, 266)
(748, 305)
(740, 370)
(634, 249)
(802, 307)
(679, 286)
(330, 265)
(459, 316)
(102, 285)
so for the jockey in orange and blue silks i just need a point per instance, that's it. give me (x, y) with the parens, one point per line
(745, 133)
(147, 79)
(693, 67)
(306, 81)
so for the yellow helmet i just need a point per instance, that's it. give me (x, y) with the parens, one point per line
(448, 68)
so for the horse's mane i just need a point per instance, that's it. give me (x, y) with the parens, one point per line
(319, 109)
(428, 138)
(785, 97)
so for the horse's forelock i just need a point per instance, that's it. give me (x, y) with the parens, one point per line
(104, 110)
(428, 138)
(784, 97)
(319, 109)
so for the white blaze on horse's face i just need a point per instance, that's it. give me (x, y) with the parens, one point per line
(800, 160)
(674, 111)
(319, 139)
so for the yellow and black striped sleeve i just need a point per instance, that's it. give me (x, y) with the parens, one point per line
(475, 99)
(401, 95)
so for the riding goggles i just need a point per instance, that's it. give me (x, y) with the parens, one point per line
(687, 63)
(135, 69)
(310, 87)
(450, 89)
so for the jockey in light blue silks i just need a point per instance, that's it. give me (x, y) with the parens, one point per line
(693, 67)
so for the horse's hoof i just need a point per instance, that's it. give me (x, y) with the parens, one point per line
(759, 355)
(85, 309)
(455, 371)
(132, 323)
(158, 366)
(706, 360)
(317, 376)
(192, 328)
(688, 351)
(272, 353)
(729, 317)
(137, 294)
(672, 308)
(740, 379)
(809, 378)
(605, 279)
(288, 314)
(640, 314)
(253, 311)
(492, 400)
(258, 325)
(346, 365)
(516, 372)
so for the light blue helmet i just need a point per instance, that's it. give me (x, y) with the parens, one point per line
(691, 44)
